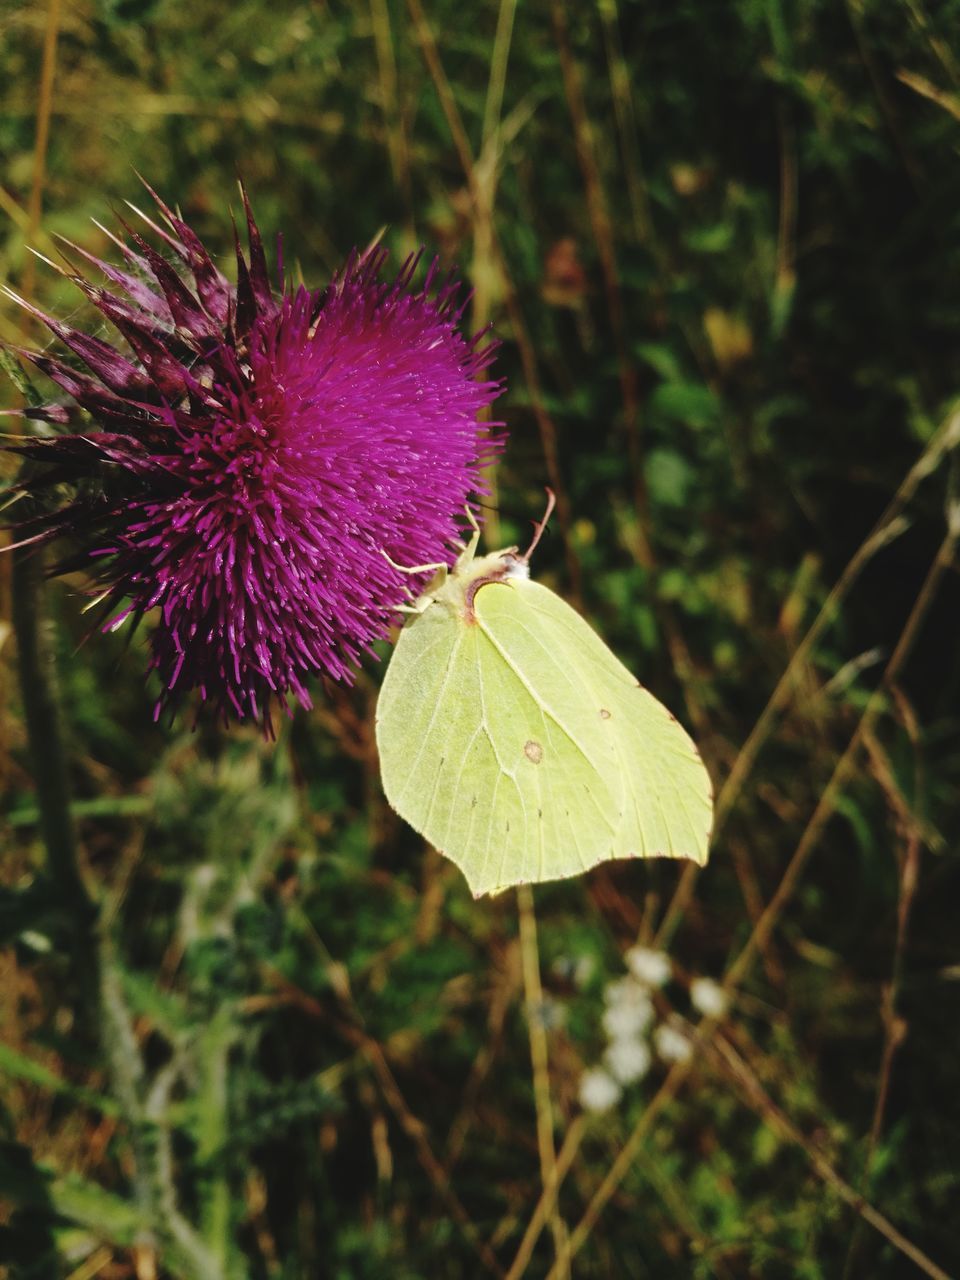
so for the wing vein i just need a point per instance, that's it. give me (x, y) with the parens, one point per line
(411, 776)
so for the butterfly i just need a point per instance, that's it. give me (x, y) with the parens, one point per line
(518, 745)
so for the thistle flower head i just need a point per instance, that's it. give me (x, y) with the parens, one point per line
(254, 455)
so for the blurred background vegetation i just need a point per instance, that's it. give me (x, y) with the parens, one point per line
(721, 245)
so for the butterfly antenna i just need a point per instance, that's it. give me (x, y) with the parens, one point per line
(539, 526)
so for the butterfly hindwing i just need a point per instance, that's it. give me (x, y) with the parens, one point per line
(667, 802)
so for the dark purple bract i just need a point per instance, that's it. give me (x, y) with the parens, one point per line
(255, 454)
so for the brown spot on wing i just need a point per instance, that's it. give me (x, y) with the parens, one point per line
(533, 751)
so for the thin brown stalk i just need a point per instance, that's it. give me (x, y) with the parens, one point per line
(548, 435)
(448, 103)
(124, 105)
(600, 222)
(846, 764)
(37, 672)
(877, 75)
(29, 222)
(21, 218)
(737, 1069)
(621, 1165)
(500, 1004)
(416, 1132)
(482, 179)
(787, 225)
(950, 102)
(351, 1029)
(45, 737)
(894, 1025)
(889, 527)
(738, 970)
(548, 1198)
(533, 1001)
(485, 173)
(498, 70)
(683, 666)
(603, 236)
(940, 49)
(753, 898)
(787, 229)
(547, 430)
(597, 211)
(44, 108)
(620, 92)
(674, 1196)
(390, 101)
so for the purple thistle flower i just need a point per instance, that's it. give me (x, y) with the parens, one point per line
(254, 457)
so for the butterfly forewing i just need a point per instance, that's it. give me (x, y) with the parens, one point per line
(492, 766)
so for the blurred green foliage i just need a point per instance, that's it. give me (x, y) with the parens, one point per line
(721, 244)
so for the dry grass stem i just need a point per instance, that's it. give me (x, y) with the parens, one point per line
(537, 1032)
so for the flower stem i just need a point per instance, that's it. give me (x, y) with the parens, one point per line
(101, 995)
(76, 908)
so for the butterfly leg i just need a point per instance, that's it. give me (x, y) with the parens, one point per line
(412, 568)
(422, 601)
(469, 548)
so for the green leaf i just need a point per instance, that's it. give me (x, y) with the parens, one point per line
(715, 239)
(669, 477)
(660, 358)
(688, 402)
(21, 1067)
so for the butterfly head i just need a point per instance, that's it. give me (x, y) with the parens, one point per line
(514, 566)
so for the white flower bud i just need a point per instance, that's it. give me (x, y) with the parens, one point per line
(648, 966)
(628, 1060)
(671, 1044)
(628, 1018)
(598, 1091)
(708, 997)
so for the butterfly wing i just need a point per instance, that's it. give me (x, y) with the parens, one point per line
(664, 794)
(492, 748)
